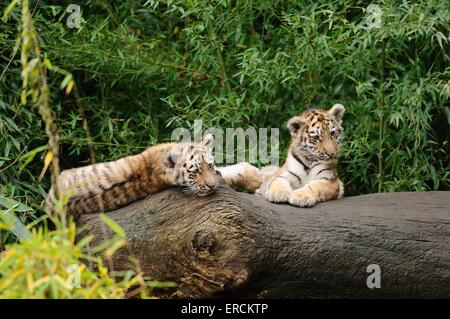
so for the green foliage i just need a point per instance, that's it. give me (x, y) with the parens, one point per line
(145, 68)
(49, 264)
(52, 263)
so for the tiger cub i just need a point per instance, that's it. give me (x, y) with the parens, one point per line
(108, 186)
(309, 174)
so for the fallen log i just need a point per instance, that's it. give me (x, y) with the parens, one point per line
(232, 244)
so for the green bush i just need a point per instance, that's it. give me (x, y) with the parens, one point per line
(52, 262)
(144, 68)
(49, 264)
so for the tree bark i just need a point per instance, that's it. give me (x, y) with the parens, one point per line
(232, 244)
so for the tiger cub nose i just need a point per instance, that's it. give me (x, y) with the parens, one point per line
(210, 180)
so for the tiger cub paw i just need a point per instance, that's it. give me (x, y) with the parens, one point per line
(277, 195)
(302, 198)
(251, 177)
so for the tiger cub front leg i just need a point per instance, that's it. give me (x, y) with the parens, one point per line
(279, 190)
(316, 191)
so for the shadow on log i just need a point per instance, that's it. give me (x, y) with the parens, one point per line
(232, 244)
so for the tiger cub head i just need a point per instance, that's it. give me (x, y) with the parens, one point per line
(317, 133)
(193, 166)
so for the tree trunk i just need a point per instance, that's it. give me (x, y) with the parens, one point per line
(232, 244)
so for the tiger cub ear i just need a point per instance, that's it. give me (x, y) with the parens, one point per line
(208, 141)
(172, 157)
(294, 125)
(337, 111)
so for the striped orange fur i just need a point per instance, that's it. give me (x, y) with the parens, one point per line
(108, 186)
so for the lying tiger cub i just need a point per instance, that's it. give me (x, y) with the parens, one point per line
(309, 174)
(108, 186)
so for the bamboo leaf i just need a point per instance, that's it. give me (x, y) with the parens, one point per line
(15, 225)
(12, 204)
(29, 156)
(47, 160)
(8, 10)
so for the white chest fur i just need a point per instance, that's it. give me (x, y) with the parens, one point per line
(300, 173)
(297, 173)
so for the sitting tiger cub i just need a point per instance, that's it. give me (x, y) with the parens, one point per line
(108, 186)
(309, 174)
